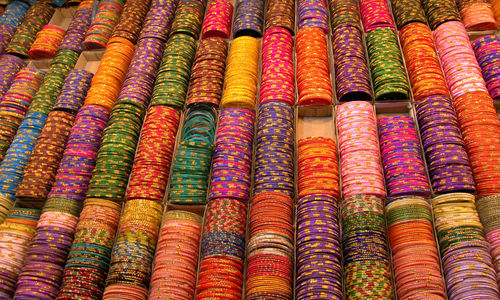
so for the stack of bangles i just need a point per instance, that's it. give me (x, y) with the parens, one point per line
(207, 74)
(318, 263)
(249, 18)
(37, 16)
(269, 271)
(88, 261)
(376, 14)
(465, 254)
(10, 20)
(404, 168)
(495, 6)
(318, 167)
(344, 12)
(158, 21)
(447, 160)
(240, 83)
(477, 15)
(440, 12)
(410, 231)
(274, 149)
(223, 240)
(188, 18)
(482, 139)
(367, 265)
(132, 256)
(458, 61)
(178, 246)
(79, 158)
(281, 13)
(14, 104)
(151, 168)
(486, 49)
(313, 69)
(387, 66)
(47, 42)
(193, 157)
(352, 81)
(103, 24)
(359, 151)
(10, 65)
(172, 77)
(408, 11)
(16, 233)
(218, 19)
(110, 75)
(424, 69)
(313, 13)
(75, 34)
(130, 23)
(16, 158)
(41, 170)
(59, 68)
(488, 208)
(277, 80)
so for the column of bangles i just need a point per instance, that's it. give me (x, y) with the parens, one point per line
(38, 178)
(424, 69)
(409, 217)
(376, 14)
(404, 168)
(52, 232)
(130, 23)
(47, 42)
(410, 231)
(270, 248)
(352, 81)
(366, 255)
(10, 65)
(16, 233)
(440, 11)
(141, 219)
(193, 157)
(14, 104)
(88, 259)
(189, 17)
(133, 252)
(249, 18)
(280, 13)
(486, 49)
(10, 20)
(313, 70)
(75, 34)
(447, 161)
(277, 80)
(103, 24)
(18, 154)
(313, 13)
(477, 15)
(465, 254)
(178, 245)
(240, 82)
(386, 65)
(408, 11)
(318, 262)
(470, 99)
(37, 16)
(207, 76)
(218, 19)
(223, 240)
